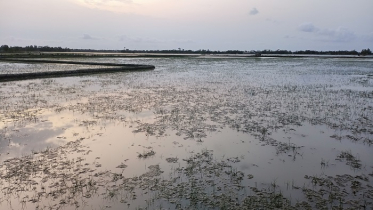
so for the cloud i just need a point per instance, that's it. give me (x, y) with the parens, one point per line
(123, 1)
(368, 37)
(307, 27)
(102, 2)
(124, 38)
(271, 20)
(253, 11)
(289, 37)
(139, 39)
(12, 40)
(340, 34)
(182, 41)
(88, 37)
(117, 6)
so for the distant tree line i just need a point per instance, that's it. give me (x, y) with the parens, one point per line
(340, 52)
(280, 52)
(34, 48)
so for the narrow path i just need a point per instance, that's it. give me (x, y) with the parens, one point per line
(112, 68)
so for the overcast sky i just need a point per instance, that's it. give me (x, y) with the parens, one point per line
(189, 24)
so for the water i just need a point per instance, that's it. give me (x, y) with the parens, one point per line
(249, 131)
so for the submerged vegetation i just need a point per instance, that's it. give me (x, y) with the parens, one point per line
(196, 133)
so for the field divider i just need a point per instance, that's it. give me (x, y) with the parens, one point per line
(112, 68)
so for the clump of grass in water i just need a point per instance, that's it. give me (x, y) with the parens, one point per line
(324, 163)
(172, 160)
(146, 154)
(352, 161)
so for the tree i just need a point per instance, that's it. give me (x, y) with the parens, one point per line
(366, 52)
(4, 48)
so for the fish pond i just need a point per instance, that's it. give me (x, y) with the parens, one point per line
(195, 133)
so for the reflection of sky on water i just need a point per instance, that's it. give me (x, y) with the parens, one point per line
(34, 140)
(53, 129)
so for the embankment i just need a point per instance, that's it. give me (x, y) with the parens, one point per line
(101, 68)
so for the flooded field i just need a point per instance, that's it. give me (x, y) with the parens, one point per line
(195, 133)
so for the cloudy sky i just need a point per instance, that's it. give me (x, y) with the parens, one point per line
(189, 24)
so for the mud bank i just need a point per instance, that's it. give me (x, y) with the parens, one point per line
(102, 68)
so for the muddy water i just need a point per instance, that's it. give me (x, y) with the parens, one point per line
(193, 133)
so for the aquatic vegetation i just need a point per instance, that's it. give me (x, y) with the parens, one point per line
(352, 161)
(172, 160)
(146, 154)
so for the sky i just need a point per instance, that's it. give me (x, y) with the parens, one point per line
(189, 24)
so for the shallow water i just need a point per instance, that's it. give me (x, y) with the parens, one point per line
(293, 124)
